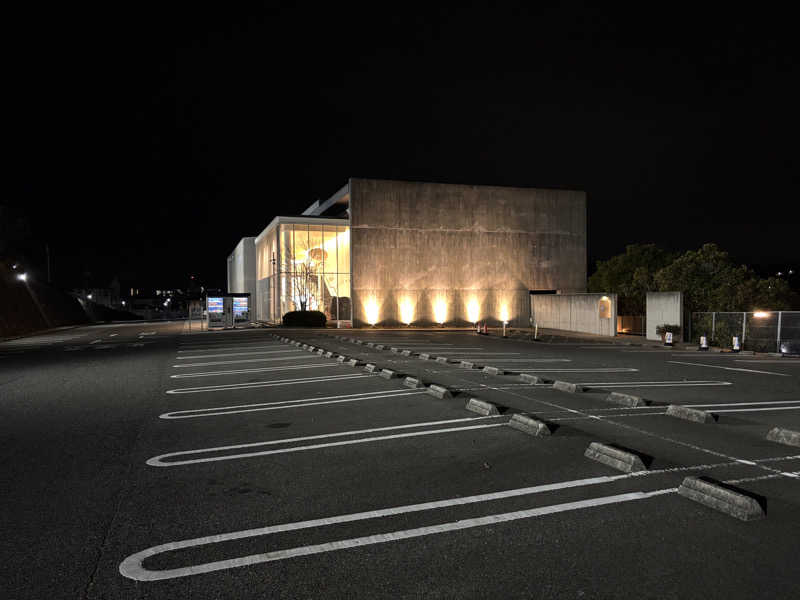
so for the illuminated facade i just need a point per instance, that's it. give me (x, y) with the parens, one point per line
(415, 254)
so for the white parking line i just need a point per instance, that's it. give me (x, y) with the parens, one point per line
(647, 383)
(781, 361)
(157, 461)
(536, 360)
(216, 348)
(727, 410)
(215, 411)
(677, 362)
(329, 365)
(96, 341)
(243, 360)
(598, 370)
(132, 566)
(239, 354)
(259, 384)
(113, 334)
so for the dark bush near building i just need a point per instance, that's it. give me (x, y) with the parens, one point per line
(304, 318)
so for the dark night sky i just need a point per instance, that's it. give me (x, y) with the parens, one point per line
(152, 139)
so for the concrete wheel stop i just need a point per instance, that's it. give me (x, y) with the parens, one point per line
(439, 391)
(533, 379)
(724, 498)
(481, 407)
(565, 386)
(625, 400)
(622, 460)
(690, 414)
(529, 425)
(784, 436)
(413, 382)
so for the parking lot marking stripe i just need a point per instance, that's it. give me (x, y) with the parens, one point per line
(677, 362)
(328, 365)
(233, 362)
(622, 384)
(323, 436)
(257, 384)
(217, 348)
(286, 351)
(780, 361)
(300, 403)
(756, 409)
(133, 568)
(597, 370)
(157, 462)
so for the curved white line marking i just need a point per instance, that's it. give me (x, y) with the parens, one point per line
(280, 405)
(677, 362)
(157, 461)
(133, 568)
(258, 384)
(328, 365)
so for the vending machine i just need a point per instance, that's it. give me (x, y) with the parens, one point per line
(215, 306)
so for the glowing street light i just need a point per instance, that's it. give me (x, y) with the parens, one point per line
(89, 296)
(22, 276)
(760, 314)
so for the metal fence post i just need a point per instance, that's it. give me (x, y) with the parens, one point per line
(780, 314)
(713, 325)
(744, 323)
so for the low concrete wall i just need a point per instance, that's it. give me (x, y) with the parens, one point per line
(664, 308)
(576, 312)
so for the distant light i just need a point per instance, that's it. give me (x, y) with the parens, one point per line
(780, 273)
(22, 276)
(504, 314)
(123, 303)
(604, 298)
(14, 266)
(371, 310)
(89, 296)
(760, 314)
(791, 271)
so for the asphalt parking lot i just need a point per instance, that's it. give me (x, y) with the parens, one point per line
(155, 463)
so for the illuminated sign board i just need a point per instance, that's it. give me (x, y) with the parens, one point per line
(239, 306)
(215, 305)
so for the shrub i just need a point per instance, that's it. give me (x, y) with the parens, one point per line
(304, 318)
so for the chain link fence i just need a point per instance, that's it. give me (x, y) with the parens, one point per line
(761, 331)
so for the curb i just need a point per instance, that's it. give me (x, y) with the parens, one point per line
(481, 407)
(689, 414)
(565, 386)
(784, 436)
(625, 399)
(528, 425)
(722, 499)
(613, 457)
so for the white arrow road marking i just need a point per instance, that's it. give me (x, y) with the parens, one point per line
(677, 362)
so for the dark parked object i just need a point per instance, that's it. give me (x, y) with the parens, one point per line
(304, 318)
(791, 347)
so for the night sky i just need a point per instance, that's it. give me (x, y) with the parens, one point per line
(151, 139)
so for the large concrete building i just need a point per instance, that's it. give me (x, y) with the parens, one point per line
(394, 252)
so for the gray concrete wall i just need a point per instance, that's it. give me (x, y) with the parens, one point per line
(459, 244)
(576, 312)
(242, 269)
(663, 308)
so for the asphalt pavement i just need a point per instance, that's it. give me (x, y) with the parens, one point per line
(148, 461)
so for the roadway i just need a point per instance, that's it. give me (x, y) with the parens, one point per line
(143, 461)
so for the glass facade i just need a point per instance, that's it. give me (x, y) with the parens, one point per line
(304, 266)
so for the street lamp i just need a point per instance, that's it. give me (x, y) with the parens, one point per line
(22, 276)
